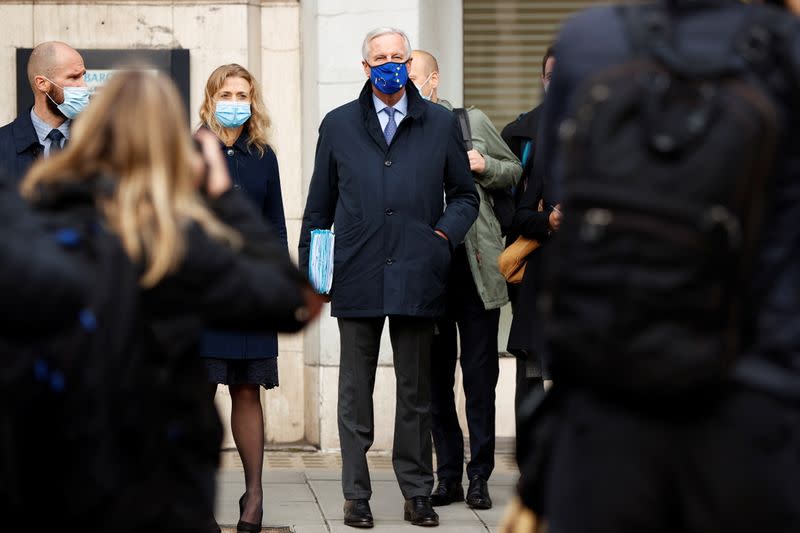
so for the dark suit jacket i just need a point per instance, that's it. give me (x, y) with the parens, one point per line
(19, 147)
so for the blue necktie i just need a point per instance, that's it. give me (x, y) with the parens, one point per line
(391, 126)
(55, 137)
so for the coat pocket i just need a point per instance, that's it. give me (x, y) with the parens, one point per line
(440, 253)
(430, 257)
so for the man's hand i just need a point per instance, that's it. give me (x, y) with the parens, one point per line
(556, 216)
(314, 303)
(518, 518)
(441, 234)
(476, 161)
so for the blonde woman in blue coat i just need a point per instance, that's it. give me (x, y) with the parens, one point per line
(234, 111)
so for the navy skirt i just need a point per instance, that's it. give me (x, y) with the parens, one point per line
(262, 372)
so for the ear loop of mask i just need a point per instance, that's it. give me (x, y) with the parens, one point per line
(423, 85)
(48, 94)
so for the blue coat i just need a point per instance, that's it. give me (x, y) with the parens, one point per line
(19, 147)
(595, 40)
(259, 178)
(385, 201)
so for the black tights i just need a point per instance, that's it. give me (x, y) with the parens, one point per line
(247, 426)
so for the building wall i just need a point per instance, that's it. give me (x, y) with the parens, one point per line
(307, 56)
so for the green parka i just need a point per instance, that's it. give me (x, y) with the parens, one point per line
(484, 241)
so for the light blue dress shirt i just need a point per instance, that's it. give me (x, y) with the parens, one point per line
(400, 108)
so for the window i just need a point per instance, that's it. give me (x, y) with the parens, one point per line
(504, 42)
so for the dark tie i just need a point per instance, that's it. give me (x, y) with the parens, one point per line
(55, 137)
(391, 126)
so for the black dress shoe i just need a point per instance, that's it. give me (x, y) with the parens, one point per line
(478, 494)
(357, 513)
(418, 511)
(447, 493)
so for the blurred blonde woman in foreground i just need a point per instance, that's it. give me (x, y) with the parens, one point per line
(233, 110)
(202, 256)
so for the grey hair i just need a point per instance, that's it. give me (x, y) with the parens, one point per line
(377, 32)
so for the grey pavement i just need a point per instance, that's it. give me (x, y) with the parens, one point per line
(303, 499)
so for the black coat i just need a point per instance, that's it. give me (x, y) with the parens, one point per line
(526, 336)
(149, 405)
(257, 289)
(520, 135)
(385, 203)
(522, 131)
(35, 269)
(19, 147)
(258, 177)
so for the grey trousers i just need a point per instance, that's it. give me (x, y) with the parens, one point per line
(412, 450)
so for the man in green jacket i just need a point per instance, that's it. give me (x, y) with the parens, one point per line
(476, 292)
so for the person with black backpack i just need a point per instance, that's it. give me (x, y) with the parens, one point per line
(674, 286)
(108, 424)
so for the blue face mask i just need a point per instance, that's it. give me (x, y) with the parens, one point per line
(232, 114)
(389, 77)
(75, 100)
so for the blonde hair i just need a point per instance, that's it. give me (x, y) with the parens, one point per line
(257, 126)
(135, 131)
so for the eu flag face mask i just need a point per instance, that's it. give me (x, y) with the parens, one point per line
(389, 77)
(75, 100)
(232, 114)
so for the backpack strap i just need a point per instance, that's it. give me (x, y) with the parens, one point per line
(463, 122)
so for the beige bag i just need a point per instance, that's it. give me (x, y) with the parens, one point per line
(514, 258)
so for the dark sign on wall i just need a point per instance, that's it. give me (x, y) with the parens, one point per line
(101, 65)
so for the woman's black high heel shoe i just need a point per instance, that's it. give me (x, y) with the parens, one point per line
(248, 527)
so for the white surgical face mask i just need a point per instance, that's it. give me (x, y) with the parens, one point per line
(424, 83)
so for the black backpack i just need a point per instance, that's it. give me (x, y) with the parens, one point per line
(667, 166)
(503, 202)
(93, 415)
